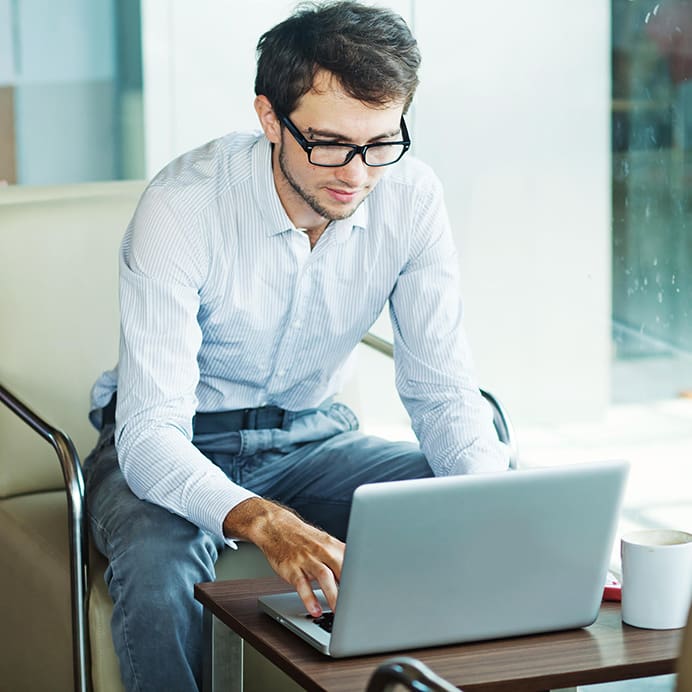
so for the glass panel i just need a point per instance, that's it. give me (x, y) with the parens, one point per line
(652, 202)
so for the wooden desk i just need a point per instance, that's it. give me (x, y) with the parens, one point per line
(605, 651)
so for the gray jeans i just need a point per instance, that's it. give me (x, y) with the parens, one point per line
(313, 463)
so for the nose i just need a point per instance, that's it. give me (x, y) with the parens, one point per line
(355, 173)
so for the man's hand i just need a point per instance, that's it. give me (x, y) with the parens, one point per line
(296, 551)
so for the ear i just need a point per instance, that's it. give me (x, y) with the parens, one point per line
(268, 120)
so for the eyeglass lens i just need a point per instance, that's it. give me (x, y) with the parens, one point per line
(375, 155)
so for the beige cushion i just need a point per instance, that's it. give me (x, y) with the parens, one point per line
(58, 279)
(35, 627)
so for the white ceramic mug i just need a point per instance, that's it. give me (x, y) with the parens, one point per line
(656, 578)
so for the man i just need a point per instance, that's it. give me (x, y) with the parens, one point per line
(249, 273)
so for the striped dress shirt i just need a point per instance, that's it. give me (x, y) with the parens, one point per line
(225, 306)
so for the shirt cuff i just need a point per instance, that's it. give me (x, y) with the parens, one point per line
(211, 511)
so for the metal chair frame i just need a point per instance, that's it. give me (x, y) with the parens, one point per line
(411, 673)
(77, 531)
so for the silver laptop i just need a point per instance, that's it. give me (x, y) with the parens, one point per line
(464, 558)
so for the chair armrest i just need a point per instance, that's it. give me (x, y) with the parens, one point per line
(410, 672)
(503, 425)
(74, 487)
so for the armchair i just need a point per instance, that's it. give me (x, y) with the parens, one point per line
(58, 273)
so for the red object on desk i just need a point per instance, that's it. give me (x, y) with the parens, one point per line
(613, 589)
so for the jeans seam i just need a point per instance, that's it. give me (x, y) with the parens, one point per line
(243, 443)
(126, 636)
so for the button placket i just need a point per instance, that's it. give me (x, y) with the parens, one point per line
(286, 351)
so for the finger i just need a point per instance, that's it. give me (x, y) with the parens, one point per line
(327, 581)
(307, 595)
(331, 554)
(337, 561)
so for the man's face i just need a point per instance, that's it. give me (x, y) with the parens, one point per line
(314, 195)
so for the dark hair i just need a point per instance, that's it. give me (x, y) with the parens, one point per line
(370, 50)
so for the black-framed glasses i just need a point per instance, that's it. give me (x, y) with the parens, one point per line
(335, 154)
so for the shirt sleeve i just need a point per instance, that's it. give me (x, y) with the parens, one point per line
(163, 264)
(434, 368)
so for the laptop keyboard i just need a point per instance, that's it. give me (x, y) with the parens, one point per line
(325, 621)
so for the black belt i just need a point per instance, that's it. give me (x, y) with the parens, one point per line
(221, 421)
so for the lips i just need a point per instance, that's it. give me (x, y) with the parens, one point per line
(343, 196)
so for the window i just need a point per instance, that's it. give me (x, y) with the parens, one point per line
(70, 91)
(652, 199)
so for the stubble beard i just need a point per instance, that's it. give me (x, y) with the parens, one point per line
(311, 200)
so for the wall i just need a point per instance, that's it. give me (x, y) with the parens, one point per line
(199, 69)
(513, 113)
(523, 91)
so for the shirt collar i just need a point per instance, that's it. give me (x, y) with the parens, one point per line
(342, 229)
(267, 198)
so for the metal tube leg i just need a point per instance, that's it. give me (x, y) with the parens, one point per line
(223, 657)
